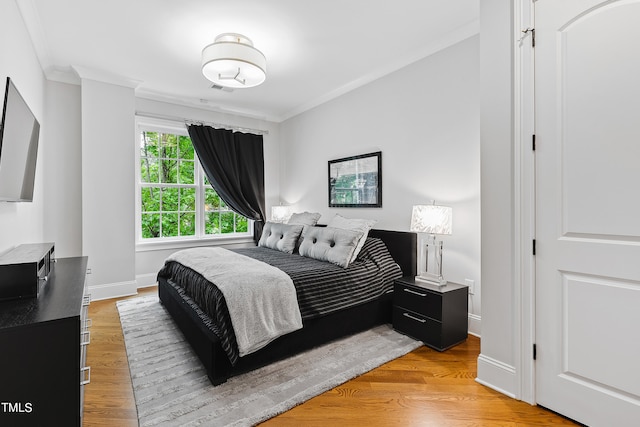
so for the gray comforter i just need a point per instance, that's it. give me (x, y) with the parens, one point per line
(262, 300)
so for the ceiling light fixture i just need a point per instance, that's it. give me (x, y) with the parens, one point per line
(232, 61)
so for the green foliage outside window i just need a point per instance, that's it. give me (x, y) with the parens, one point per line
(169, 191)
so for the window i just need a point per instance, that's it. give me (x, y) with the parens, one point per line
(176, 201)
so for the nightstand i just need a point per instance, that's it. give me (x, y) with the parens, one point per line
(435, 315)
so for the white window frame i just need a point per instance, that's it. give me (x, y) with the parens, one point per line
(200, 239)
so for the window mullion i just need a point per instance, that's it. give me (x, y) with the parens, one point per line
(199, 199)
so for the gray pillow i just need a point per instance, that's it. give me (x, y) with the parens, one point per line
(282, 237)
(329, 244)
(304, 218)
(360, 225)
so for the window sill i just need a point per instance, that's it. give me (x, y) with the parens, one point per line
(192, 243)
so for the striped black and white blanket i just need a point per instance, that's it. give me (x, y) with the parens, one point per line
(321, 287)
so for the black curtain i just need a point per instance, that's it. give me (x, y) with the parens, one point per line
(234, 164)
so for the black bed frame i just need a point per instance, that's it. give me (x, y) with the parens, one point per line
(317, 331)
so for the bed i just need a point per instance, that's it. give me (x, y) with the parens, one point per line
(199, 328)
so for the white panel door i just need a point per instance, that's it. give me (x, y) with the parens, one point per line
(587, 84)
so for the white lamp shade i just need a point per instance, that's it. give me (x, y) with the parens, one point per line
(431, 219)
(232, 61)
(280, 213)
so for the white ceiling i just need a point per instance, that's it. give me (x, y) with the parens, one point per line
(315, 50)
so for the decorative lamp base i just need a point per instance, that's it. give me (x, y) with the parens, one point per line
(432, 279)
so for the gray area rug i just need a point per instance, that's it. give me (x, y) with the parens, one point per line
(172, 389)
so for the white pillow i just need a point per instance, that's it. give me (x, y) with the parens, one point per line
(360, 225)
(304, 218)
(334, 245)
(282, 237)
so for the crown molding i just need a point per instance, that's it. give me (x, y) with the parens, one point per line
(204, 104)
(86, 73)
(32, 22)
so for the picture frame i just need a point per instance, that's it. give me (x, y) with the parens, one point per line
(356, 182)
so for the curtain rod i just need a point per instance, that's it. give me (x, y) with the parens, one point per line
(201, 122)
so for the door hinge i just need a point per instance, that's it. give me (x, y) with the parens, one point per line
(534, 246)
(535, 352)
(533, 142)
(533, 35)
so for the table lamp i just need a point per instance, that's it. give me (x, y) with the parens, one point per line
(280, 213)
(432, 220)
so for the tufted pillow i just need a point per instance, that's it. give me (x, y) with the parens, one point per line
(360, 225)
(282, 237)
(304, 218)
(329, 244)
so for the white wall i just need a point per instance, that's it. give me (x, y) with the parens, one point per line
(63, 169)
(496, 364)
(107, 186)
(425, 119)
(149, 261)
(22, 222)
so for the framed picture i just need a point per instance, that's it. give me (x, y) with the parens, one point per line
(356, 182)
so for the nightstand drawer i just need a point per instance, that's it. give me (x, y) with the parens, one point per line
(416, 325)
(418, 300)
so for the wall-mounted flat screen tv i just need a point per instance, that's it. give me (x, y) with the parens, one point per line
(19, 134)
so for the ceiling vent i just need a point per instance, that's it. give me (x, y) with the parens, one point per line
(224, 88)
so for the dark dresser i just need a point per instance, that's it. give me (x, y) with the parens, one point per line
(435, 315)
(43, 350)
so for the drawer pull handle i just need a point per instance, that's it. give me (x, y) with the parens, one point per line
(414, 318)
(411, 291)
(85, 374)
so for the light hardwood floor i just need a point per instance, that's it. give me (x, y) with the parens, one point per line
(423, 388)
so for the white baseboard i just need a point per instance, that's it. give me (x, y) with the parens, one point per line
(146, 280)
(474, 324)
(497, 375)
(121, 289)
(112, 290)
